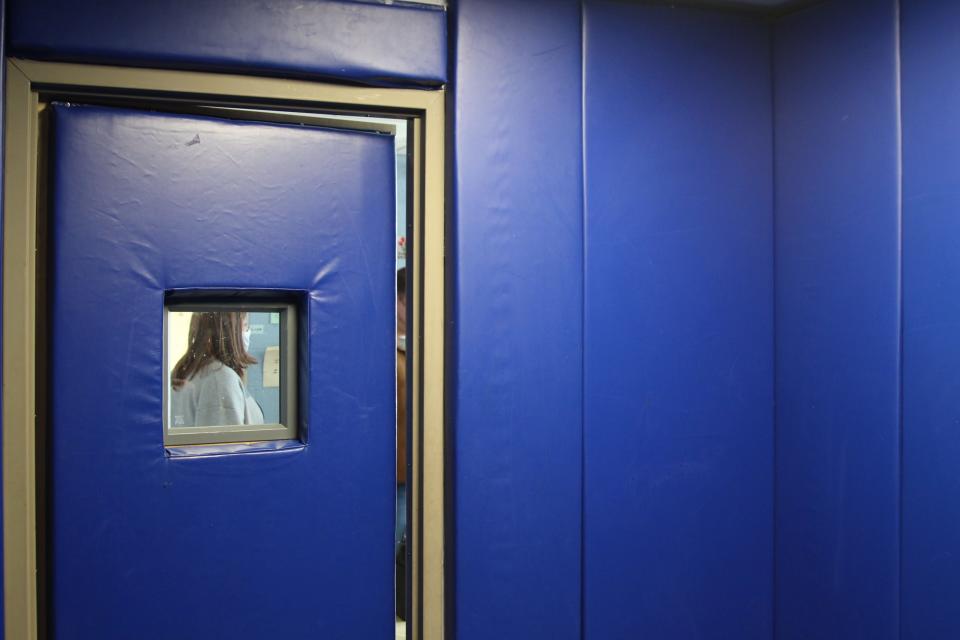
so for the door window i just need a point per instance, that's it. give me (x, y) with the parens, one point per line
(230, 372)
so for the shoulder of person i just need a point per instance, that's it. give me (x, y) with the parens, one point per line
(220, 374)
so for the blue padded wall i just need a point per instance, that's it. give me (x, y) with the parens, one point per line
(517, 307)
(838, 321)
(360, 41)
(678, 432)
(931, 315)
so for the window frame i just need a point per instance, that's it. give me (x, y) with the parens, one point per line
(288, 427)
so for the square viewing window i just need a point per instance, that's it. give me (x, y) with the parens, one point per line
(229, 372)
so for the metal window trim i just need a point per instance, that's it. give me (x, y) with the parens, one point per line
(288, 428)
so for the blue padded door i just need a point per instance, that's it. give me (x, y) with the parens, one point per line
(287, 543)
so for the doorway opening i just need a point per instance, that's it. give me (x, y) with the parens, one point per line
(414, 118)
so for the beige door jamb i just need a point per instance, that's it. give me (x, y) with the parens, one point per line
(27, 81)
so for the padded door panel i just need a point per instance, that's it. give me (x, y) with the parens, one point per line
(293, 543)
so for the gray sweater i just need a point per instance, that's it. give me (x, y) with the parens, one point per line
(214, 396)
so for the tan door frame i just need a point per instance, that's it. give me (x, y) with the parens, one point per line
(26, 81)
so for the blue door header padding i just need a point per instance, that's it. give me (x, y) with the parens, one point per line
(286, 544)
(931, 339)
(838, 321)
(517, 304)
(678, 435)
(358, 41)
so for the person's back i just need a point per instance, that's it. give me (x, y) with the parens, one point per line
(215, 395)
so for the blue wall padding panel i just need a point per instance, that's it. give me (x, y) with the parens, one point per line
(361, 41)
(931, 317)
(678, 397)
(517, 304)
(838, 321)
(285, 544)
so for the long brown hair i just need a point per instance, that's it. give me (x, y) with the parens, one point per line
(214, 335)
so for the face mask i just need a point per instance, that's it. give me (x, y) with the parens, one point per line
(246, 339)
